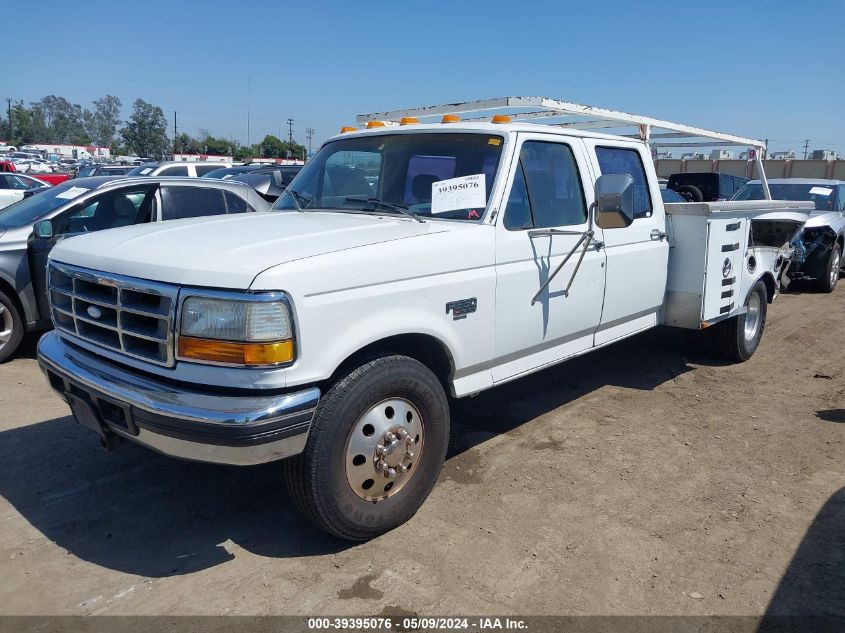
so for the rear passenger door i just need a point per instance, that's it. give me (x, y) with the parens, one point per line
(183, 201)
(637, 255)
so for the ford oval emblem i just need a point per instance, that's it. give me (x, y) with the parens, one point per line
(727, 267)
(94, 312)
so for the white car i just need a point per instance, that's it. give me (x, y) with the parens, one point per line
(14, 187)
(31, 166)
(178, 168)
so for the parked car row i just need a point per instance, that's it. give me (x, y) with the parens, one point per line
(30, 228)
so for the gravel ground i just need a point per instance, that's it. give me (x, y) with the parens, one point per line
(642, 479)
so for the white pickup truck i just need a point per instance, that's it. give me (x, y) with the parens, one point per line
(404, 265)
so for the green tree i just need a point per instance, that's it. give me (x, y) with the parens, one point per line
(57, 120)
(145, 132)
(22, 131)
(103, 122)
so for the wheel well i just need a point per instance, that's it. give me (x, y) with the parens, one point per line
(421, 347)
(771, 287)
(6, 289)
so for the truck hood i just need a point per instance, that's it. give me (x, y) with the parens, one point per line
(229, 251)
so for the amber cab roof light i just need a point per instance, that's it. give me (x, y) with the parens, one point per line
(373, 124)
(347, 128)
(409, 120)
(501, 118)
(450, 118)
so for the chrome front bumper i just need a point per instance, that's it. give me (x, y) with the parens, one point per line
(172, 419)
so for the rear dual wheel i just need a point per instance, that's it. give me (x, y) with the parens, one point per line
(375, 448)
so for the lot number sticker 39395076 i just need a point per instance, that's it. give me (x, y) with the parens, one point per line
(466, 192)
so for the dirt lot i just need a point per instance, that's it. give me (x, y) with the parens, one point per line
(642, 479)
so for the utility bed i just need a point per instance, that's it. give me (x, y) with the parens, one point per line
(717, 250)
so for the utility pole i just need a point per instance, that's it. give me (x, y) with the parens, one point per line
(309, 134)
(175, 133)
(248, 106)
(806, 146)
(11, 129)
(290, 131)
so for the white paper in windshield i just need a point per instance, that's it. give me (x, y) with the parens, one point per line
(820, 191)
(466, 192)
(146, 170)
(73, 192)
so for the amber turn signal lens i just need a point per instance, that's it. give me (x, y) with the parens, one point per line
(235, 353)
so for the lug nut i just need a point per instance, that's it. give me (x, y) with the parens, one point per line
(402, 468)
(409, 454)
(389, 436)
(391, 472)
(379, 449)
(381, 464)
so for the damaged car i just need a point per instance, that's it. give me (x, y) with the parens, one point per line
(818, 247)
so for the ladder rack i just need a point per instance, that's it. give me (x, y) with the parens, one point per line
(566, 114)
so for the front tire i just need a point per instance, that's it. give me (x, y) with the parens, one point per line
(739, 337)
(827, 283)
(375, 449)
(11, 327)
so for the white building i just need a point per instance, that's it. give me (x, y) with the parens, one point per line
(68, 151)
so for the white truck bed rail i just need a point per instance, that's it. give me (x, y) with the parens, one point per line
(583, 117)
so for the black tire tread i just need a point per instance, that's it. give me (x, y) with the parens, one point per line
(17, 332)
(823, 283)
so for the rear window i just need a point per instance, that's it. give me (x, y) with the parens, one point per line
(176, 170)
(621, 160)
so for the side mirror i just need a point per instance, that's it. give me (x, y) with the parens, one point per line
(614, 201)
(43, 229)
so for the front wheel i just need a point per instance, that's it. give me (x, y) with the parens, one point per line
(375, 449)
(827, 282)
(740, 336)
(11, 327)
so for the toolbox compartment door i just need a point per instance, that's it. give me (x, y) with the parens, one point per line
(727, 240)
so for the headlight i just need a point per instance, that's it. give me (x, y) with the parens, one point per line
(236, 331)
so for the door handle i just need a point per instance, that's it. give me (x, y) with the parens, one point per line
(657, 234)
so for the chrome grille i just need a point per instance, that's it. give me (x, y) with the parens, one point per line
(128, 315)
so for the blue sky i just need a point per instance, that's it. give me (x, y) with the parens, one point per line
(762, 69)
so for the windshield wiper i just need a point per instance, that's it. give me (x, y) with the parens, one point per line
(387, 205)
(295, 195)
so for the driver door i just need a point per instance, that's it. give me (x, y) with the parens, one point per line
(113, 209)
(550, 192)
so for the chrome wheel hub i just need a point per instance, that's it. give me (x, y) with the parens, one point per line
(6, 325)
(383, 449)
(834, 271)
(752, 317)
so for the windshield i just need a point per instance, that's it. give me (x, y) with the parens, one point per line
(443, 175)
(822, 195)
(28, 210)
